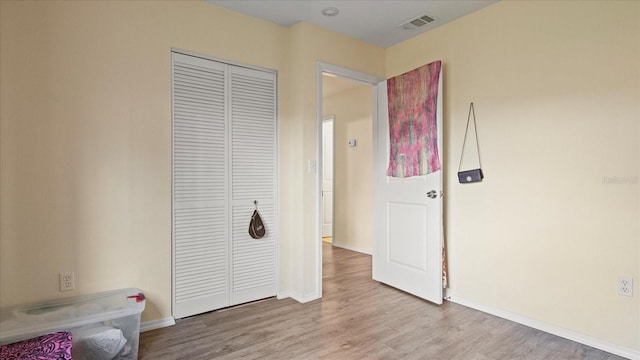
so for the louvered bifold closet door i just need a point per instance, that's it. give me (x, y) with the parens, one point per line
(254, 169)
(200, 186)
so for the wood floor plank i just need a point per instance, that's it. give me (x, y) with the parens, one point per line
(357, 318)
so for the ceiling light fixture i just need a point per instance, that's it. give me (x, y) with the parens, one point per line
(330, 11)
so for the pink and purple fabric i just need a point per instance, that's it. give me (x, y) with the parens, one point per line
(47, 347)
(412, 100)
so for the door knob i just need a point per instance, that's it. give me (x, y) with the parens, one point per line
(432, 194)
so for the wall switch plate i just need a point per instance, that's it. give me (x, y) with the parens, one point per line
(313, 166)
(67, 281)
(625, 286)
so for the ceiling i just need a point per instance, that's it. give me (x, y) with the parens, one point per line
(374, 21)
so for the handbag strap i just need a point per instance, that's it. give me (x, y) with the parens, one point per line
(472, 110)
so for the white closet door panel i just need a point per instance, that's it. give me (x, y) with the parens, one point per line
(253, 169)
(200, 190)
(199, 131)
(253, 139)
(201, 261)
(253, 273)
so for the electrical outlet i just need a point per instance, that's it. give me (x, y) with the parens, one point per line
(67, 281)
(625, 286)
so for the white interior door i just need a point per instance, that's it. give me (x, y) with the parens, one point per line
(327, 177)
(200, 186)
(407, 222)
(224, 163)
(253, 178)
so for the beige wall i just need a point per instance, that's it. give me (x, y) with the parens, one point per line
(86, 138)
(556, 90)
(353, 195)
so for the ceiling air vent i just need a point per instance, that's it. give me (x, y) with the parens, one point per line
(416, 23)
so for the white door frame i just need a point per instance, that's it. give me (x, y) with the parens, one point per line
(357, 76)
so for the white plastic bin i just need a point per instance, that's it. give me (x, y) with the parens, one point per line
(104, 326)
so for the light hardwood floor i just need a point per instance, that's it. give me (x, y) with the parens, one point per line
(357, 318)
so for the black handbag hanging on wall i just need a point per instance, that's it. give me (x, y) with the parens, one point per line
(473, 175)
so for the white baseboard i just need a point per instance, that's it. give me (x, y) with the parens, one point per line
(157, 324)
(352, 248)
(549, 328)
(297, 296)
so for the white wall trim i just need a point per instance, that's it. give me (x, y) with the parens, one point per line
(157, 324)
(549, 328)
(297, 296)
(221, 60)
(352, 248)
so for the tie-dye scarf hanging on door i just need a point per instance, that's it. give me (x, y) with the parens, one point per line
(412, 100)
